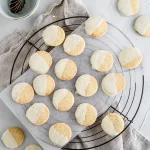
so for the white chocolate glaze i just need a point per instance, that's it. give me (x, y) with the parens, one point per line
(50, 35)
(71, 42)
(60, 66)
(34, 112)
(125, 7)
(57, 138)
(17, 91)
(8, 140)
(128, 55)
(92, 23)
(38, 64)
(109, 84)
(108, 127)
(40, 85)
(98, 58)
(142, 24)
(81, 113)
(58, 96)
(82, 84)
(33, 147)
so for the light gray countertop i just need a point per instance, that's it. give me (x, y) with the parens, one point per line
(108, 10)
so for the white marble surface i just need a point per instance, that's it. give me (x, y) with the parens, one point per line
(106, 9)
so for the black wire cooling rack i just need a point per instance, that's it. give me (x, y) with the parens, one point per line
(130, 103)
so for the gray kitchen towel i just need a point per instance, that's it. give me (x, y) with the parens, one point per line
(10, 48)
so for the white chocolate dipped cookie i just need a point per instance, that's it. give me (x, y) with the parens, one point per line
(96, 26)
(142, 25)
(13, 137)
(128, 7)
(65, 69)
(40, 62)
(74, 45)
(38, 113)
(33, 147)
(130, 58)
(102, 60)
(60, 134)
(44, 85)
(112, 124)
(86, 85)
(113, 84)
(53, 35)
(86, 114)
(63, 99)
(22, 93)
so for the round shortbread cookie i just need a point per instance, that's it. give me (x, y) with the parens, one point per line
(53, 35)
(74, 45)
(113, 83)
(40, 62)
(22, 93)
(86, 114)
(86, 85)
(44, 85)
(13, 137)
(60, 134)
(130, 58)
(38, 113)
(128, 7)
(102, 60)
(96, 26)
(112, 124)
(142, 25)
(65, 69)
(33, 147)
(63, 99)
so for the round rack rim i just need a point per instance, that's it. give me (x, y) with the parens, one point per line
(111, 107)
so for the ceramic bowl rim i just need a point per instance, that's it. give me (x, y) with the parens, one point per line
(25, 16)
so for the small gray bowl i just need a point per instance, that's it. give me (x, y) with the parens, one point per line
(29, 8)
